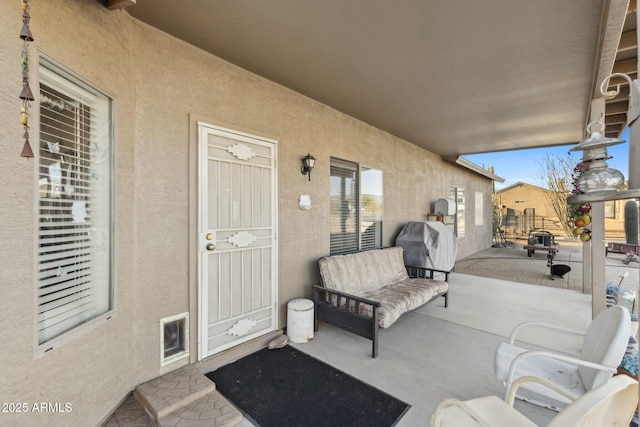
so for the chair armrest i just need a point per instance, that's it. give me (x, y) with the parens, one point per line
(521, 326)
(436, 419)
(415, 271)
(511, 392)
(569, 359)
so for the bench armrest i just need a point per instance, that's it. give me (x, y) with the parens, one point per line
(317, 289)
(426, 273)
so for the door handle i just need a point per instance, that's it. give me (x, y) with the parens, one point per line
(211, 247)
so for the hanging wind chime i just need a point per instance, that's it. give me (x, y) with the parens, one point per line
(26, 95)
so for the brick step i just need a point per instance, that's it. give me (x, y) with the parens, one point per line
(211, 410)
(186, 396)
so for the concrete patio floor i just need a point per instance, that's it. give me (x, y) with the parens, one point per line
(512, 263)
(437, 352)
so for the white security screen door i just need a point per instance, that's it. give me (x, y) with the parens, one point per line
(237, 238)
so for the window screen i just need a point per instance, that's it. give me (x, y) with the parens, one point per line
(370, 208)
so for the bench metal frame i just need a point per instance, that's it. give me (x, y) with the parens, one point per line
(343, 310)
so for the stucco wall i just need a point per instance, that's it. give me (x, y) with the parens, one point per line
(160, 86)
(531, 196)
(94, 371)
(526, 196)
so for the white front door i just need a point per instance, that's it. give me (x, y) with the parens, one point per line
(237, 238)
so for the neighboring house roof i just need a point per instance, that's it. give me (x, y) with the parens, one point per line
(474, 168)
(520, 184)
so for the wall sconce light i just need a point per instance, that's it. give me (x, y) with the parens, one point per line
(308, 162)
(598, 177)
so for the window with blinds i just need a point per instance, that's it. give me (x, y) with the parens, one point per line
(355, 207)
(370, 208)
(456, 198)
(74, 278)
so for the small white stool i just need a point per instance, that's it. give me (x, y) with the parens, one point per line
(300, 320)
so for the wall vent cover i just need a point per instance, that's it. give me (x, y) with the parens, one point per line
(174, 338)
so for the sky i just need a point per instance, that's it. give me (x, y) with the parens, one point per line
(525, 165)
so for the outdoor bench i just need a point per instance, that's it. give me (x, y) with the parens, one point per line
(365, 291)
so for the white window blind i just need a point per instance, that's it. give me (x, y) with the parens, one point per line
(355, 207)
(75, 204)
(343, 206)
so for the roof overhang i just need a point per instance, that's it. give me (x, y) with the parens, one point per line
(453, 77)
(474, 168)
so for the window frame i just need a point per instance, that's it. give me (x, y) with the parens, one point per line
(377, 221)
(456, 196)
(342, 247)
(72, 79)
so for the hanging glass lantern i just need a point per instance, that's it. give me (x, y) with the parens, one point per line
(598, 176)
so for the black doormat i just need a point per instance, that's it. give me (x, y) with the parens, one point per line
(286, 387)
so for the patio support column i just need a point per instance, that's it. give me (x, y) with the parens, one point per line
(633, 180)
(593, 252)
(634, 156)
(598, 267)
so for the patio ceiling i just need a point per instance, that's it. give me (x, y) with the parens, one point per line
(455, 77)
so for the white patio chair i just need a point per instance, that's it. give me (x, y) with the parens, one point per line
(613, 403)
(604, 344)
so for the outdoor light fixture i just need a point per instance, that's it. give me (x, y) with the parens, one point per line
(600, 183)
(598, 177)
(308, 162)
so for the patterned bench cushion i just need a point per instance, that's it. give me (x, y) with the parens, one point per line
(361, 272)
(402, 297)
(378, 275)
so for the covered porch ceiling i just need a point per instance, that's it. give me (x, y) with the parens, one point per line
(456, 77)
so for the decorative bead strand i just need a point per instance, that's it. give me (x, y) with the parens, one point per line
(26, 95)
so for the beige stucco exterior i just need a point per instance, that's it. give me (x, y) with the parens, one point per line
(521, 196)
(161, 87)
